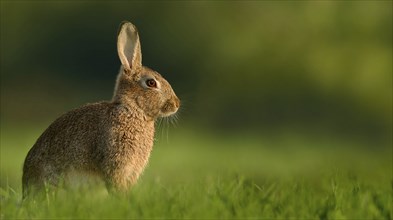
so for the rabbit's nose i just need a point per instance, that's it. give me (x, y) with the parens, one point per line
(177, 102)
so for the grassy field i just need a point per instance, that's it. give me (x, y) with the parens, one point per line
(197, 175)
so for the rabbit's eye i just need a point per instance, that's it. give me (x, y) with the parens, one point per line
(151, 83)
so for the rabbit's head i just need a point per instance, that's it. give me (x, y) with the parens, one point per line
(138, 85)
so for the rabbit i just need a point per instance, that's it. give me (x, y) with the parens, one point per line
(111, 140)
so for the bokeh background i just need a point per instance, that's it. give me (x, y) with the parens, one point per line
(267, 87)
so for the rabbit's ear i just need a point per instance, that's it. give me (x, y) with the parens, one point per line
(129, 47)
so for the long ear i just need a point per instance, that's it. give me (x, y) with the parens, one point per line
(129, 47)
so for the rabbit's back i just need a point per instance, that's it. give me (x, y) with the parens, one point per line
(68, 143)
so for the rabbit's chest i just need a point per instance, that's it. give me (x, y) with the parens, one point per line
(134, 137)
(130, 138)
(134, 147)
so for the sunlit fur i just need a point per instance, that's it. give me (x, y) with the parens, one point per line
(111, 140)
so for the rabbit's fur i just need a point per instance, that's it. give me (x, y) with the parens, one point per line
(110, 139)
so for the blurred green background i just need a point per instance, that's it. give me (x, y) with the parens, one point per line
(266, 87)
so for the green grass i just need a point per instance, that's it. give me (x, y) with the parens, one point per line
(237, 177)
(337, 197)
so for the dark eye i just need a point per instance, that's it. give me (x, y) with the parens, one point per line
(151, 83)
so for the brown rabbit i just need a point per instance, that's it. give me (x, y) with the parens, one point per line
(109, 139)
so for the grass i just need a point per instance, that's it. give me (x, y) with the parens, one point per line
(237, 177)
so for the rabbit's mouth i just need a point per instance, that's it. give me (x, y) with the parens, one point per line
(170, 107)
(167, 113)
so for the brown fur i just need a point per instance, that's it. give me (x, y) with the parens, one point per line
(109, 139)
